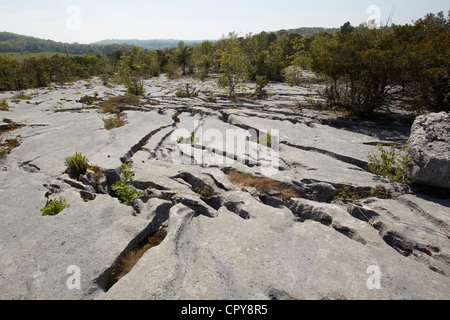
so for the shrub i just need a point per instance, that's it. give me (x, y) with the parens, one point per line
(130, 74)
(115, 121)
(4, 105)
(77, 165)
(261, 82)
(136, 87)
(212, 96)
(391, 163)
(186, 93)
(293, 75)
(54, 207)
(123, 189)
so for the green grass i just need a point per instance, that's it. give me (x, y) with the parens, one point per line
(77, 165)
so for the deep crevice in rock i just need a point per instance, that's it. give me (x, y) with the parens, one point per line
(151, 236)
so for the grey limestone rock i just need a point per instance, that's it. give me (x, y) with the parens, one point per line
(429, 150)
(282, 237)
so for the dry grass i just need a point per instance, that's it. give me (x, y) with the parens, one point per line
(11, 126)
(112, 105)
(262, 184)
(128, 261)
(8, 145)
(115, 121)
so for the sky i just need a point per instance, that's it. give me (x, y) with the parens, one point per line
(88, 21)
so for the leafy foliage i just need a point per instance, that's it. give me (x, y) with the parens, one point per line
(233, 63)
(369, 69)
(366, 70)
(392, 163)
(54, 207)
(123, 189)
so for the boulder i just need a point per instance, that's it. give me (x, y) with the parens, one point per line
(428, 148)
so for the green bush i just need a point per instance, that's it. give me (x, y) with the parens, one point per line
(77, 165)
(54, 207)
(123, 189)
(391, 163)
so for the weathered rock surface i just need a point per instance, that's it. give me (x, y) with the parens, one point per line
(282, 232)
(429, 149)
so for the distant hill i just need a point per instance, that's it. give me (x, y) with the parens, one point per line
(11, 42)
(155, 44)
(308, 31)
(152, 44)
(19, 44)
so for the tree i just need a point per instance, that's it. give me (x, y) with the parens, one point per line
(266, 57)
(130, 74)
(347, 28)
(183, 55)
(233, 64)
(37, 71)
(425, 56)
(10, 73)
(203, 55)
(363, 69)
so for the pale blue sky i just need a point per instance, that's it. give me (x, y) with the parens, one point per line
(87, 21)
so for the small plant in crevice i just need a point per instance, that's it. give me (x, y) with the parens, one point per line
(123, 188)
(392, 163)
(54, 207)
(265, 140)
(4, 105)
(186, 93)
(128, 260)
(77, 165)
(192, 140)
(90, 100)
(350, 193)
(261, 184)
(115, 121)
(175, 117)
(7, 146)
(204, 191)
(212, 96)
(22, 96)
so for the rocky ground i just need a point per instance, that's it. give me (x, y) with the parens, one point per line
(221, 217)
